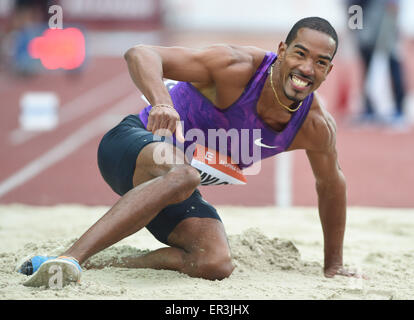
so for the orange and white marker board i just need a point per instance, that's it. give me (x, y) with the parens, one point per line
(215, 168)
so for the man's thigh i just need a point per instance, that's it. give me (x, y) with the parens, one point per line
(129, 155)
(156, 159)
(169, 226)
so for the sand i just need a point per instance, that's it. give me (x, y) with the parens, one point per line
(277, 252)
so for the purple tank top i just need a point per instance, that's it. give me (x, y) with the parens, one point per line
(247, 138)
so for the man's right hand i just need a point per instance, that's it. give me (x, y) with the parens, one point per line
(164, 120)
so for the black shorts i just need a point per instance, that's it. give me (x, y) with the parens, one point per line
(117, 155)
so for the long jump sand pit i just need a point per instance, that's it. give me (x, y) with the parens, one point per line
(278, 254)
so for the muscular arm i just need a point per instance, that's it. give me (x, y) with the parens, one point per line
(331, 190)
(223, 66)
(148, 65)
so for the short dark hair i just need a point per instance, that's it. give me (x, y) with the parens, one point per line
(314, 23)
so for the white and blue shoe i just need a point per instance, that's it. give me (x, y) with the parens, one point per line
(31, 265)
(51, 272)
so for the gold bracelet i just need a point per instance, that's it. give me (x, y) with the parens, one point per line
(163, 105)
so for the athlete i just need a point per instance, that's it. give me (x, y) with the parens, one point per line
(220, 87)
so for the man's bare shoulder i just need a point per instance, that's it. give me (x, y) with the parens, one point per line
(226, 59)
(318, 132)
(320, 127)
(233, 54)
(230, 68)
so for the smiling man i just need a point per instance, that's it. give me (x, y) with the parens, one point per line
(220, 87)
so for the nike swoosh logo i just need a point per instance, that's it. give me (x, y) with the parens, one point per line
(258, 142)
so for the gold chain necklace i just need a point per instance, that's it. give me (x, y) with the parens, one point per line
(277, 98)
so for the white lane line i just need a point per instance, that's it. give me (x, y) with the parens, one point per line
(283, 179)
(63, 149)
(83, 104)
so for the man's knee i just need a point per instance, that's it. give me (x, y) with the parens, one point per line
(183, 179)
(216, 267)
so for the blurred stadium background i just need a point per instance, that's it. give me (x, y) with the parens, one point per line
(48, 155)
